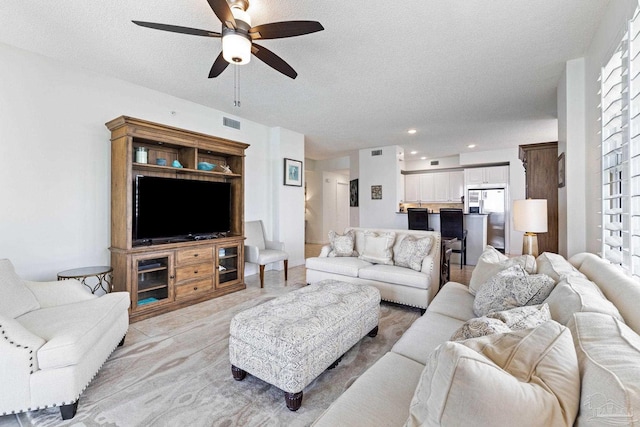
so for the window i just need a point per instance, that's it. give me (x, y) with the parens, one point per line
(620, 119)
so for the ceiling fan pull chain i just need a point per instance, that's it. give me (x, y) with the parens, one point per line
(236, 86)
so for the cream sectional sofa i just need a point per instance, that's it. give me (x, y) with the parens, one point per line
(600, 368)
(396, 284)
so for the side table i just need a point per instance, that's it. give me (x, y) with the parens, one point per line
(445, 259)
(101, 273)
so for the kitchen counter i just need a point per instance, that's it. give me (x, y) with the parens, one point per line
(476, 225)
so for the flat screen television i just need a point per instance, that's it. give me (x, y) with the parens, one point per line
(168, 208)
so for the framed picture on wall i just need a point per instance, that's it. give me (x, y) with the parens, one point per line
(293, 172)
(561, 172)
(353, 193)
(376, 192)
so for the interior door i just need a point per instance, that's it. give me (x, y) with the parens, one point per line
(342, 205)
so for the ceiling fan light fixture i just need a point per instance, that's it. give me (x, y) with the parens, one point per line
(236, 48)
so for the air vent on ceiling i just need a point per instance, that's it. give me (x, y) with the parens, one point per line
(376, 152)
(226, 121)
(435, 162)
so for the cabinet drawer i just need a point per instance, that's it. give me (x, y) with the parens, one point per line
(194, 287)
(187, 256)
(194, 271)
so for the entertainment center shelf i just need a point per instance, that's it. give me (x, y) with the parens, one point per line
(173, 273)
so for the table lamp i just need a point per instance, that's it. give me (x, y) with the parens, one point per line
(530, 216)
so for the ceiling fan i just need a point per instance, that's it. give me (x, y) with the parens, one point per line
(238, 36)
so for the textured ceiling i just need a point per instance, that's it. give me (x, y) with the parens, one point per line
(458, 71)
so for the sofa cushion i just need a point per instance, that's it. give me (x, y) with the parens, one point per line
(70, 330)
(395, 275)
(346, 266)
(378, 247)
(342, 244)
(534, 370)
(411, 252)
(16, 298)
(453, 300)
(379, 397)
(492, 262)
(503, 321)
(577, 294)
(512, 288)
(425, 335)
(609, 360)
(555, 266)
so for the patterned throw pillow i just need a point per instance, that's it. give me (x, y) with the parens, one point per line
(503, 321)
(492, 262)
(378, 247)
(342, 245)
(511, 288)
(411, 252)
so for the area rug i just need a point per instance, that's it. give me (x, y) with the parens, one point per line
(174, 371)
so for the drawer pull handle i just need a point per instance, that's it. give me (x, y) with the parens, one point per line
(195, 272)
(195, 288)
(195, 255)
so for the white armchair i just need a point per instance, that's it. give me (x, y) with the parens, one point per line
(260, 251)
(54, 337)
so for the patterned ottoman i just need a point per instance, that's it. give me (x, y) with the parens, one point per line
(292, 339)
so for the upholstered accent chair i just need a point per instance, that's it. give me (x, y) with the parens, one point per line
(54, 337)
(259, 250)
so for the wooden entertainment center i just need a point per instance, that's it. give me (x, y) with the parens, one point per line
(170, 274)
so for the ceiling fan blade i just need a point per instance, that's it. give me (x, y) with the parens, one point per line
(223, 12)
(177, 29)
(278, 30)
(218, 66)
(273, 60)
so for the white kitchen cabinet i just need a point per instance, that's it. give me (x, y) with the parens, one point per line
(456, 186)
(434, 187)
(427, 188)
(411, 188)
(482, 177)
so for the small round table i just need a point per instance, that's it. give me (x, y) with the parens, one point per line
(101, 273)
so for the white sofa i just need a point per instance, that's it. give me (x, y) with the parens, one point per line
(396, 284)
(605, 352)
(54, 337)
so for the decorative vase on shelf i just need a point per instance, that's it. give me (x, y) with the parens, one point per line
(142, 155)
(206, 166)
(176, 164)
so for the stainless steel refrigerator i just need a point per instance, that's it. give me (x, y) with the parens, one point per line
(492, 202)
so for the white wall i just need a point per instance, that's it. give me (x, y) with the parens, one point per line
(55, 152)
(516, 190)
(354, 173)
(571, 141)
(603, 43)
(288, 206)
(443, 163)
(381, 170)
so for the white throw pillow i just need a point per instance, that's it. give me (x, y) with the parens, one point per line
(555, 266)
(492, 262)
(411, 252)
(378, 247)
(577, 294)
(609, 360)
(503, 321)
(342, 244)
(512, 288)
(15, 298)
(529, 376)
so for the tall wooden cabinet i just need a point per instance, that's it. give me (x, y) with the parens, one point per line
(169, 275)
(541, 169)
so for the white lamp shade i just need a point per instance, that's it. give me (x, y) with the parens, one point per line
(530, 215)
(236, 49)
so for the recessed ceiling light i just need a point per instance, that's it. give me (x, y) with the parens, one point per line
(414, 152)
(423, 158)
(411, 131)
(471, 146)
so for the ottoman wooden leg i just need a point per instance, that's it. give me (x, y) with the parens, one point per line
(238, 374)
(373, 332)
(293, 400)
